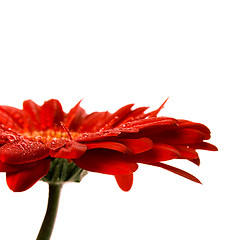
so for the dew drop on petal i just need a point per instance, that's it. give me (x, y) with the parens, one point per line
(85, 135)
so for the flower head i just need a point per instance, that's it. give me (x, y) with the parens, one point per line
(32, 137)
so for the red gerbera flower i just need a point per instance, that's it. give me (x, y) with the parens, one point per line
(99, 142)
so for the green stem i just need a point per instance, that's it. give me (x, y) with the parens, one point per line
(51, 213)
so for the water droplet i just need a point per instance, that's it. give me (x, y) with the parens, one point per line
(85, 134)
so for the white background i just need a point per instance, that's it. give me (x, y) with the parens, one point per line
(111, 53)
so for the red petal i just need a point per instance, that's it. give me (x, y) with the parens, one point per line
(71, 150)
(33, 111)
(98, 136)
(138, 145)
(195, 161)
(155, 112)
(186, 152)
(75, 117)
(135, 114)
(23, 180)
(94, 122)
(15, 167)
(124, 181)
(106, 161)
(117, 118)
(7, 135)
(153, 122)
(183, 136)
(11, 117)
(176, 171)
(110, 145)
(51, 114)
(197, 126)
(158, 153)
(7, 168)
(23, 151)
(152, 126)
(56, 144)
(204, 146)
(189, 154)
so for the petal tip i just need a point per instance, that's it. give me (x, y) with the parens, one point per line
(124, 181)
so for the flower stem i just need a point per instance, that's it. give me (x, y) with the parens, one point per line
(51, 213)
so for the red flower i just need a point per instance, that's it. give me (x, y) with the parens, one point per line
(99, 142)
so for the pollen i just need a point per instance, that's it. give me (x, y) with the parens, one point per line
(49, 135)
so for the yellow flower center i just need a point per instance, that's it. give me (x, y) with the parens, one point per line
(49, 135)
